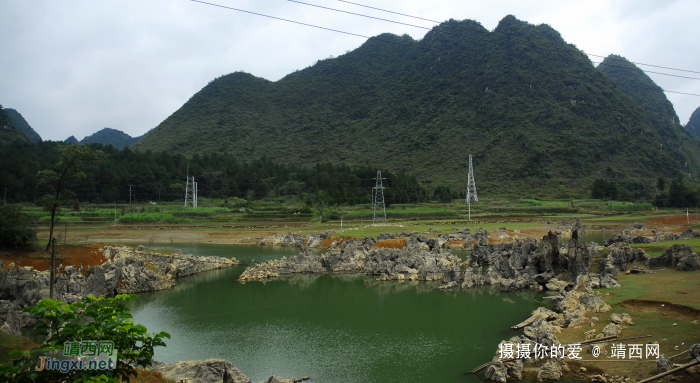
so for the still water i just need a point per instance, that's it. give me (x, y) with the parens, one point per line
(334, 328)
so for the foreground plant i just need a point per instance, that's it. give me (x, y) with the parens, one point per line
(93, 318)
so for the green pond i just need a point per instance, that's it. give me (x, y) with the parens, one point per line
(334, 328)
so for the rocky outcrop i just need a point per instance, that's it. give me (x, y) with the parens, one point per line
(201, 371)
(385, 236)
(10, 318)
(425, 243)
(626, 237)
(412, 264)
(305, 263)
(487, 254)
(550, 250)
(294, 240)
(680, 256)
(350, 257)
(578, 258)
(125, 271)
(315, 239)
(553, 369)
(620, 256)
(287, 240)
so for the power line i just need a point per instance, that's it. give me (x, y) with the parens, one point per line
(489, 40)
(440, 50)
(512, 38)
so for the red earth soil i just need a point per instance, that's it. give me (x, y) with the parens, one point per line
(69, 255)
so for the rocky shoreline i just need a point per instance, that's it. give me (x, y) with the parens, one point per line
(516, 265)
(125, 271)
(210, 371)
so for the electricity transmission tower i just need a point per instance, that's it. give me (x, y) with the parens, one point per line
(379, 189)
(190, 189)
(471, 188)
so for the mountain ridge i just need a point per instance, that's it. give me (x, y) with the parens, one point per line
(693, 125)
(107, 136)
(20, 123)
(8, 131)
(425, 111)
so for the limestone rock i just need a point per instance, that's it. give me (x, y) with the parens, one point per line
(556, 285)
(578, 259)
(306, 262)
(349, 258)
(202, 371)
(497, 371)
(688, 263)
(621, 318)
(612, 330)
(541, 332)
(663, 364)
(277, 379)
(670, 256)
(550, 252)
(553, 369)
(287, 240)
(694, 350)
(413, 263)
(620, 255)
(472, 278)
(10, 320)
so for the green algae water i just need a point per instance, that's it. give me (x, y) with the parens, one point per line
(333, 328)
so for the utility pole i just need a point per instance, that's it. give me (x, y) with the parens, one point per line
(53, 267)
(341, 225)
(130, 194)
(4, 200)
(379, 189)
(471, 188)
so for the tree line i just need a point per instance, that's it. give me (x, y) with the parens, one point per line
(162, 176)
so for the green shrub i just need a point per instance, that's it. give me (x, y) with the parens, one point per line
(15, 229)
(91, 319)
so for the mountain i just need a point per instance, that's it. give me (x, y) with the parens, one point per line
(20, 123)
(533, 116)
(693, 125)
(8, 131)
(72, 140)
(635, 83)
(109, 136)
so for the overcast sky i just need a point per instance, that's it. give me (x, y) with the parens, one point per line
(73, 67)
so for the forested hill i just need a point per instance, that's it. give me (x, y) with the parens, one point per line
(8, 131)
(531, 115)
(635, 83)
(20, 123)
(109, 136)
(693, 125)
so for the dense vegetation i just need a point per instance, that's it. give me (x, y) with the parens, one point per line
(693, 125)
(93, 319)
(534, 118)
(161, 177)
(8, 131)
(15, 228)
(22, 124)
